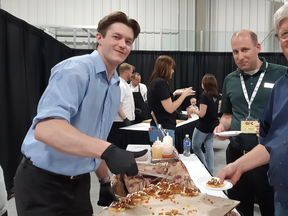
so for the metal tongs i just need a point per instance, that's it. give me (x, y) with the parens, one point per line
(152, 173)
(160, 129)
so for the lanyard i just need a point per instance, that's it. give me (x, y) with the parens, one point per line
(249, 102)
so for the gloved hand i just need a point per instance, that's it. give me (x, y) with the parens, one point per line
(127, 122)
(120, 161)
(106, 195)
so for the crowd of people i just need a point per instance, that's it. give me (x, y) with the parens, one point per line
(85, 98)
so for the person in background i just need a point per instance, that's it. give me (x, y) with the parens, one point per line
(66, 140)
(126, 115)
(139, 90)
(273, 146)
(208, 120)
(3, 195)
(193, 103)
(161, 99)
(244, 97)
(136, 85)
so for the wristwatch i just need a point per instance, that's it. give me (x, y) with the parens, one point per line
(104, 180)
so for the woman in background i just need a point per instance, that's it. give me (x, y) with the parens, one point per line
(208, 120)
(161, 99)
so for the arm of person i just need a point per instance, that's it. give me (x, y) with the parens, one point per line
(170, 106)
(178, 92)
(102, 171)
(121, 113)
(106, 194)
(202, 112)
(224, 125)
(144, 92)
(65, 138)
(256, 157)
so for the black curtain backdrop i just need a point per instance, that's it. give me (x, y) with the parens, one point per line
(27, 54)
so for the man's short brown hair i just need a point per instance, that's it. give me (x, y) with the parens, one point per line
(135, 74)
(124, 67)
(253, 36)
(114, 17)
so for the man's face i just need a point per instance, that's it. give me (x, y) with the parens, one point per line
(136, 80)
(245, 53)
(116, 45)
(129, 74)
(283, 29)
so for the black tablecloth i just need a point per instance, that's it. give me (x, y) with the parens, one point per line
(142, 137)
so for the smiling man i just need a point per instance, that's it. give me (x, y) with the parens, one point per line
(67, 139)
(244, 96)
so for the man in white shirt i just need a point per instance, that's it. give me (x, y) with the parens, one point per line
(126, 113)
(136, 85)
(127, 108)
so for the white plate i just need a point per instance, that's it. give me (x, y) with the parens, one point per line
(204, 180)
(229, 133)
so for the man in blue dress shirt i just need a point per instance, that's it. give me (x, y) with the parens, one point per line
(66, 140)
(273, 132)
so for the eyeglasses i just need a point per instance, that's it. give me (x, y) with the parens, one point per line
(282, 36)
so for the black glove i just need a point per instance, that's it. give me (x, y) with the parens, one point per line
(106, 195)
(120, 161)
(127, 122)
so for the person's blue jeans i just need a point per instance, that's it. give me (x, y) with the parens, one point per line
(280, 210)
(153, 134)
(197, 139)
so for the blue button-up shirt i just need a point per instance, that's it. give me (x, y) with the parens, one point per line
(79, 93)
(274, 136)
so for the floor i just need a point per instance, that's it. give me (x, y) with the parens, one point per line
(219, 149)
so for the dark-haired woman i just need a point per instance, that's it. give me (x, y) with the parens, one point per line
(161, 99)
(208, 120)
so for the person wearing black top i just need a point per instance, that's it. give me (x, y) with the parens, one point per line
(160, 98)
(208, 120)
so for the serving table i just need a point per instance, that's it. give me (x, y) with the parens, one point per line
(208, 203)
(139, 133)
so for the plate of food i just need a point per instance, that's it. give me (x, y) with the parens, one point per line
(229, 133)
(214, 183)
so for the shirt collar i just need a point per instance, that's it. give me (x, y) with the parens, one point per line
(101, 68)
(262, 68)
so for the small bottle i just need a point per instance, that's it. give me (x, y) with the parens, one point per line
(157, 149)
(167, 150)
(168, 139)
(186, 145)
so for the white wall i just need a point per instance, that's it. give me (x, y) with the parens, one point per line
(165, 24)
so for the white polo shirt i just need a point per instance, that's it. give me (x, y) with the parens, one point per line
(127, 102)
(143, 90)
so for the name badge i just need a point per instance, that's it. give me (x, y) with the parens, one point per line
(248, 126)
(268, 85)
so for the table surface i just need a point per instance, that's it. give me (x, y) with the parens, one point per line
(197, 170)
(145, 126)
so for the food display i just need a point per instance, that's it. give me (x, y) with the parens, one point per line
(160, 191)
(215, 183)
(200, 205)
(189, 192)
(143, 195)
